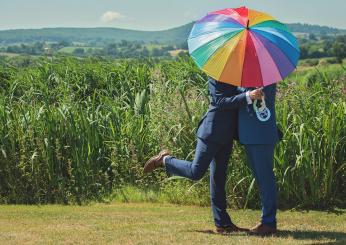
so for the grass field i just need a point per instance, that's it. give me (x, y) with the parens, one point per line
(69, 50)
(8, 54)
(142, 223)
(76, 130)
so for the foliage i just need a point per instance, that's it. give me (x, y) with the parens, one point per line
(75, 130)
(323, 47)
(316, 41)
(339, 48)
(124, 49)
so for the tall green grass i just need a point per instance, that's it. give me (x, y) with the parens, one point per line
(77, 130)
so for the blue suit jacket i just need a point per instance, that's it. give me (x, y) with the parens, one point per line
(219, 124)
(253, 131)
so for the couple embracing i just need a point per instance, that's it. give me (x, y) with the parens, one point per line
(232, 115)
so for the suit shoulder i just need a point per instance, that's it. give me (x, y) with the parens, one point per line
(270, 89)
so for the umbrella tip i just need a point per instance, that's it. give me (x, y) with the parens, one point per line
(247, 25)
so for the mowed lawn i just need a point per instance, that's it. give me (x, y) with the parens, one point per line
(145, 223)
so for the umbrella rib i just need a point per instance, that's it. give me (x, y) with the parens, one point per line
(279, 48)
(260, 70)
(225, 18)
(244, 52)
(194, 39)
(267, 22)
(270, 56)
(271, 33)
(214, 31)
(231, 57)
(230, 16)
(220, 46)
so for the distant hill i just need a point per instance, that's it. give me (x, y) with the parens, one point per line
(314, 29)
(87, 35)
(97, 35)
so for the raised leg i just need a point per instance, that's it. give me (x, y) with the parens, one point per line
(195, 170)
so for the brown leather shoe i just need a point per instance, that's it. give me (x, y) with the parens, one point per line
(229, 229)
(262, 230)
(155, 162)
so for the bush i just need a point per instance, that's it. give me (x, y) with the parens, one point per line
(75, 130)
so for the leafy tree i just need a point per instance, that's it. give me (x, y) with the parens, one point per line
(304, 52)
(64, 44)
(78, 51)
(111, 49)
(339, 48)
(183, 46)
(157, 52)
(312, 37)
(89, 51)
(124, 43)
(183, 54)
(145, 52)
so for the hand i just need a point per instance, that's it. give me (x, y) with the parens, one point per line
(256, 94)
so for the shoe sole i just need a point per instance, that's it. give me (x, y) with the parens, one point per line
(153, 158)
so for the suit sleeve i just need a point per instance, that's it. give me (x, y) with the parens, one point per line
(270, 92)
(231, 103)
(241, 90)
(247, 92)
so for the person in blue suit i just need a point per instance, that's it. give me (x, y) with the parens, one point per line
(259, 138)
(215, 136)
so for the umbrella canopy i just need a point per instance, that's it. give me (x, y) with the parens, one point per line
(243, 47)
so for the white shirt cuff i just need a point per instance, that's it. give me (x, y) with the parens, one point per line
(248, 99)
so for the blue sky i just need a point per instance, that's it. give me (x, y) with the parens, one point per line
(157, 14)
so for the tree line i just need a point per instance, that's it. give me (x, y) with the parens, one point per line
(123, 49)
(324, 46)
(312, 46)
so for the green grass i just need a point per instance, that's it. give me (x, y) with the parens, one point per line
(151, 47)
(69, 50)
(120, 223)
(8, 54)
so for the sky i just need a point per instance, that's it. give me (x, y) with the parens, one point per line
(157, 14)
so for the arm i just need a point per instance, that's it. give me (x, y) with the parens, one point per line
(247, 93)
(234, 98)
(235, 101)
(230, 103)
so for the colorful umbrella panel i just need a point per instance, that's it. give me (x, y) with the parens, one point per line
(243, 47)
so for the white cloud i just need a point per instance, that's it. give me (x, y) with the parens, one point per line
(111, 16)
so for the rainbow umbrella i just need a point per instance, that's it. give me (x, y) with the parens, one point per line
(243, 47)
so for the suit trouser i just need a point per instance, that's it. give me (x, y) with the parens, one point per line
(260, 158)
(217, 156)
